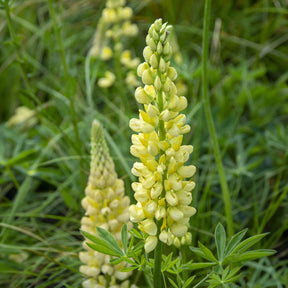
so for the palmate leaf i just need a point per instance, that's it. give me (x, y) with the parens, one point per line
(207, 254)
(102, 245)
(247, 243)
(108, 237)
(235, 240)
(102, 249)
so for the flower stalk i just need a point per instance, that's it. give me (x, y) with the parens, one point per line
(106, 207)
(163, 192)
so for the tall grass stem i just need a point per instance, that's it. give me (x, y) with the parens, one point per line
(210, 122)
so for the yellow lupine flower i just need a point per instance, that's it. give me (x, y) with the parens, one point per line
(107, 81)
(163, 193)
(106, 207)
(113, 26)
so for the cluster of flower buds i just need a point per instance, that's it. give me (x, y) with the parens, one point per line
(163, 192)
(106, 207)
(113, 26)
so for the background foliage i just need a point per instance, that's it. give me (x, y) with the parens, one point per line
(44, 166)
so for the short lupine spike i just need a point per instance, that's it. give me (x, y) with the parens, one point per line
(106, 207)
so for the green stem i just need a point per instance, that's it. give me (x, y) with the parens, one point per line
(158, 250)
(184, 252)
(208, 113)
(70, 80)
(157, 260)
(18, 54)
(59, 38)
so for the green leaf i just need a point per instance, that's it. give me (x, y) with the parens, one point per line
(124, 237)
(220, 239)
(22, 157)
(173, 283)
(250, 255)
(136, 234)
(128, 260)
(235, 240)
(207, 254)
(197, 251)
(102, 249)
(115, 261)
(196, 266)
(188, 282)
(247, 243)
(108, 237)
(130, 268)
(103, 245)
(233, 272)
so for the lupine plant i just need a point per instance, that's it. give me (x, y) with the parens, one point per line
(108, 45)
(164, 190)
(106, 207)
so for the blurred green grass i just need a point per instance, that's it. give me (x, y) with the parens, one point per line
(44, 168)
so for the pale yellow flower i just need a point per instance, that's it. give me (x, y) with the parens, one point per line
(163, 192)
(108, 42)
(105, 206)
(107, 81)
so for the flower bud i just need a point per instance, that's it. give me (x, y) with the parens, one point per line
(156, 191)
(141, 68)
(153, 61)
(147, 77)
(167, 85)
(164, 236)
(158, 83)
(151, 43)
(171, 198)
(157, 25)
(126, 13)
(136, 213)
(159, 48)
(160, 213)
(187, 171)
(162, 65)
(151, 207)
(152, 111)
(172, 73)
(150, 243)
(176, 242)
(147, 53)
(148, 226)
(175, 213)
(141, 96)
(179, 229)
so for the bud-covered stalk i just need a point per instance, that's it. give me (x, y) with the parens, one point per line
(106, 207)
(113, 27)
(163, 192)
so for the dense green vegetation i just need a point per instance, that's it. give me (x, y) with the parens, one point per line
(44, 160)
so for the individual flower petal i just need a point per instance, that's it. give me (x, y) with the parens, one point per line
(150, 243)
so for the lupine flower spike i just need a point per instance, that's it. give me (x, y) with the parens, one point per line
(106, 207)
(163, 192)
(113, 26)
